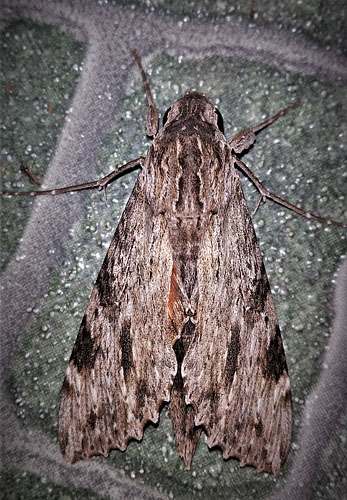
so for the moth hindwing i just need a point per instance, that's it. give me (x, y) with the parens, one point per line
(182, 312)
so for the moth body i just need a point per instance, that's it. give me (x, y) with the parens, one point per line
(181, 311)
(180, 298)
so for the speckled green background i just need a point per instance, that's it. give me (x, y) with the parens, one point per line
(301, 158)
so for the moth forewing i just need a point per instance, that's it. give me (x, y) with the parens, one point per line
(234, 370)
(111, 389)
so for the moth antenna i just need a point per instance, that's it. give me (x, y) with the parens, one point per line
(270, 120)
(244, 139)
(152, 115)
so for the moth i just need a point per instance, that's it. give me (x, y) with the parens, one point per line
(182, 312)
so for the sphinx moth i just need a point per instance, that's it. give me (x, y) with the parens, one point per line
(182, 312)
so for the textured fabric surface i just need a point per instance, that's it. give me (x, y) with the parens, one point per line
(73, 106)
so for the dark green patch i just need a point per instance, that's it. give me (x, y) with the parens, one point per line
(17, 484)
(37, 75)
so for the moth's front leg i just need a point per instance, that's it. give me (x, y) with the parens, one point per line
(265, 193)
(101, 184)
(152, 115)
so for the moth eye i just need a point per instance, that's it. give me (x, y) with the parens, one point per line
(166, 115)
(220, 123)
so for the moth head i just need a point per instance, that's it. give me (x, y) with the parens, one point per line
(196, 106)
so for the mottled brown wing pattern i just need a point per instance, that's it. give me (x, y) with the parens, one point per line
(235, 374)
(122, 365)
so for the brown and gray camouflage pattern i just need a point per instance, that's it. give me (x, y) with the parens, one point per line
(182, 312)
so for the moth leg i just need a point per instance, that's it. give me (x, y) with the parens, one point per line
(265, 193)
(100, 183)
(261, 198)
(34, 178)
(152, 114)
(243, 140)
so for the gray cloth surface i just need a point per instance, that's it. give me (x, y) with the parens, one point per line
(73, 106)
